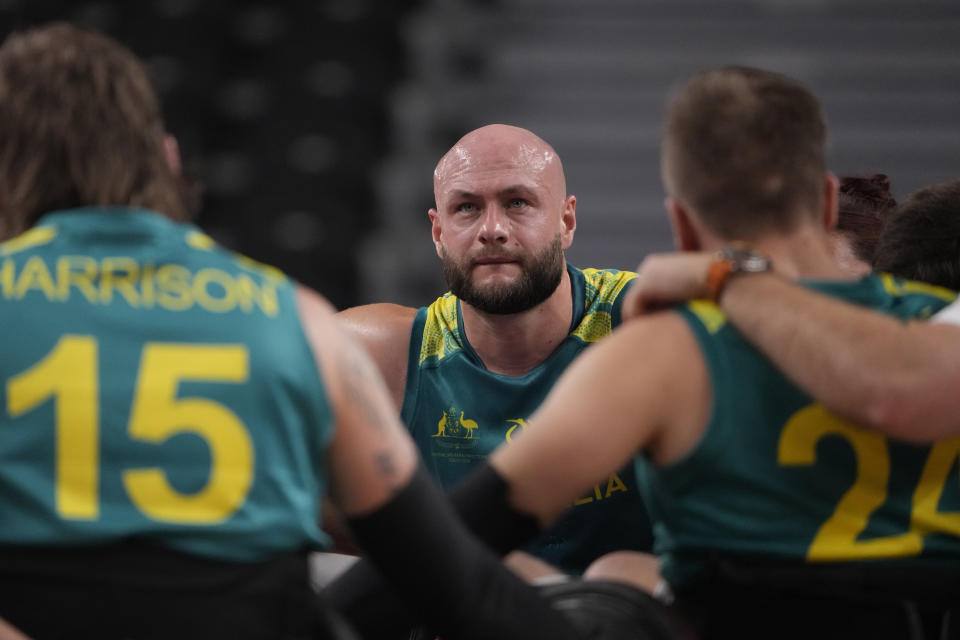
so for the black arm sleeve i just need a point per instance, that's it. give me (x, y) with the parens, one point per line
(441, 574)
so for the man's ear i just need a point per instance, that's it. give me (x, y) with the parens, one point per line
(569, 219)
(685, 236)
(831, 199)
(435, 230)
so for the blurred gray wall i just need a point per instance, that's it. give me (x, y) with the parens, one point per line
(592, 77)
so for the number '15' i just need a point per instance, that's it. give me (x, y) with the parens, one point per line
(69, 375)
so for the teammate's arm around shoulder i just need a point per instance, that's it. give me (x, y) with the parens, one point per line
(384, 330)
(397, 514)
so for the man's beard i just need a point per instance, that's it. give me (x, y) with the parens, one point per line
(540, 276)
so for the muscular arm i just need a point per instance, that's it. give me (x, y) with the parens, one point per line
(901, 379)
(384, 330)
(643, 387)
(370, 455)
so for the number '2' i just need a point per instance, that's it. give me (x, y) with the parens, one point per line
(836, 539)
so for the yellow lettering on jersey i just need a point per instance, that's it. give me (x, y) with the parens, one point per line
(79, 272)
(206, 298)
(170, 286)
(6, 277)
(583, 500)
(147, 288)
(597, 495)
(173, 281)
(518, 423)
(159, 413)
(614, 484)
(838, 538)
(35, 276)
(119, 274)
(68, 374)
(926, 497)
(248, 294)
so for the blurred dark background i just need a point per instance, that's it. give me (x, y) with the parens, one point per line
(315, 126)
(280, 109)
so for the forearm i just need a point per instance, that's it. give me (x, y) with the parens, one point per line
(903, 379)
(440, 572)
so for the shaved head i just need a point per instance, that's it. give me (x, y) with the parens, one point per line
(497, 147)
(503, 219)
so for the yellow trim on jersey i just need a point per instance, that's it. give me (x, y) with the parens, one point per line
(602, 289)
(440, 329)
(32, 238)
(594, 326)
(260, 267)
(200, 241)
(895, 288)
(603, 286)
(709, 314)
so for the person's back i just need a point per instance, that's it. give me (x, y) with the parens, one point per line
(164, 389)
(782, 506)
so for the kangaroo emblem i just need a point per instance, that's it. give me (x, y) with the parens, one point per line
(449, 418)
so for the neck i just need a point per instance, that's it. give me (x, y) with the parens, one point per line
(513, 344)
(803, 253)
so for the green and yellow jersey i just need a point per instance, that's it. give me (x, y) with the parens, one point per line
(157, 387)
(458, 412)
(776, 476)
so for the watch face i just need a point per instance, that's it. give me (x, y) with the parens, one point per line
(746, 260)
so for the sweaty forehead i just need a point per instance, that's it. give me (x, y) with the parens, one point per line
(484, 160)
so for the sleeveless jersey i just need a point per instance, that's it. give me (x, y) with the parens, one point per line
(777, 477)
(458, 412)
(154, 386)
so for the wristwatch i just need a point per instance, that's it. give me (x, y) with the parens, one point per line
(733, 258)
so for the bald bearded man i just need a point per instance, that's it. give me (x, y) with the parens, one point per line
(467, 370)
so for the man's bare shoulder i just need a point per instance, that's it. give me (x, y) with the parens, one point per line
(380, 323)
(384, 330)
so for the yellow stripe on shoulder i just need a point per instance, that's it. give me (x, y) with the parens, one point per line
(709, 314)
(440, 329)
(594, 326)
(898, 286)
(200, 241)
(603, 287)
(35, 237)
(259, 267)
(608, 283)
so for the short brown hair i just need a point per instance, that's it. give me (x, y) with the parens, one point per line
(746, 150)
(80, 125)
